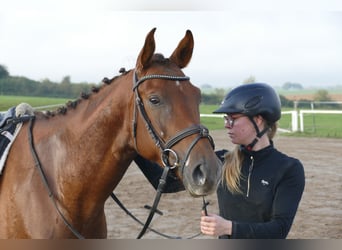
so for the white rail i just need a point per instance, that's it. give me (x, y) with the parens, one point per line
(294, 119)
(302, 112)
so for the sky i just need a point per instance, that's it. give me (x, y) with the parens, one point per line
(273, 41)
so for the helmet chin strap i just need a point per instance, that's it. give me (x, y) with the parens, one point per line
(258, 132)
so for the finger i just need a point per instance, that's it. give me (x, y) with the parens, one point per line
(207, 231)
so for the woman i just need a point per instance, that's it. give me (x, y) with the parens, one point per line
(261, 188)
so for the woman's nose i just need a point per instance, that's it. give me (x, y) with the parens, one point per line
(226, 125)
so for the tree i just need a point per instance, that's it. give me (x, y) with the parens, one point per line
(250, 79)
(292, 85)
(285, 102)
(206, 86)
(321, 96)
(3, 71)
(66, 80)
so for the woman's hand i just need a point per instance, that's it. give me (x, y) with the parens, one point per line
(215, 225)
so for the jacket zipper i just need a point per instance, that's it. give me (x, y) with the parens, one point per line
(249, 174)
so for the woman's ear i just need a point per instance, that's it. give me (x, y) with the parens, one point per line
(259, 120)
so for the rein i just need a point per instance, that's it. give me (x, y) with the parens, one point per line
(45, 181)
(122, 206)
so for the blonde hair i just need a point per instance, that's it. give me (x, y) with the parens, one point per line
(231, 173)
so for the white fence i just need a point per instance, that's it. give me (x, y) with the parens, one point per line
(302, 112)
(297, 118)
(294, 120)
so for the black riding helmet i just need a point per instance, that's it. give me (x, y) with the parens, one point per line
(251, 100)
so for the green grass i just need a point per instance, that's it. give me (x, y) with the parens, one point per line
(317, 125)
(212, 123)
(7, 102)
(322, 125)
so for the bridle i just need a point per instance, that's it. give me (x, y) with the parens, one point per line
(165, 147)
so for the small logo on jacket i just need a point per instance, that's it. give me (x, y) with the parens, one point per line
(264, 183)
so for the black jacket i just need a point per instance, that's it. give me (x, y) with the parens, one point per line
(264, 210)
(268, 204)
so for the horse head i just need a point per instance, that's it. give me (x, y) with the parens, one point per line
(168, 108)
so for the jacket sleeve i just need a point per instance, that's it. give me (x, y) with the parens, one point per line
(286, 200)
(221, 153)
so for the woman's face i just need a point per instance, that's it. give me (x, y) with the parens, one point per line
(240, 128)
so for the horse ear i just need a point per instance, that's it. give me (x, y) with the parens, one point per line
(183, 53)
(146, 52)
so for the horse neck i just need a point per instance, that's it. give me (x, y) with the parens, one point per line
(92, 141)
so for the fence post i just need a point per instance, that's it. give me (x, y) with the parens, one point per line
(301, 121)
(294, 118)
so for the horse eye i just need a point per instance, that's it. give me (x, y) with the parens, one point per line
(154, 100)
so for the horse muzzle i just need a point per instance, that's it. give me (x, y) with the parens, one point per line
(201, 178)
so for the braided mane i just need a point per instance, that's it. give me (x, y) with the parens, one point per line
(62, 110)
(83, 96)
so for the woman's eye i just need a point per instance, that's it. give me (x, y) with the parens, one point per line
(154, 100)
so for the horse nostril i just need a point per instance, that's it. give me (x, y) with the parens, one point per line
(199, 176)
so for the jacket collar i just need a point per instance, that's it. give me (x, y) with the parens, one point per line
(257, 155)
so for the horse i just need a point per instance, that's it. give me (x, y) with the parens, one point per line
(64, 164)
